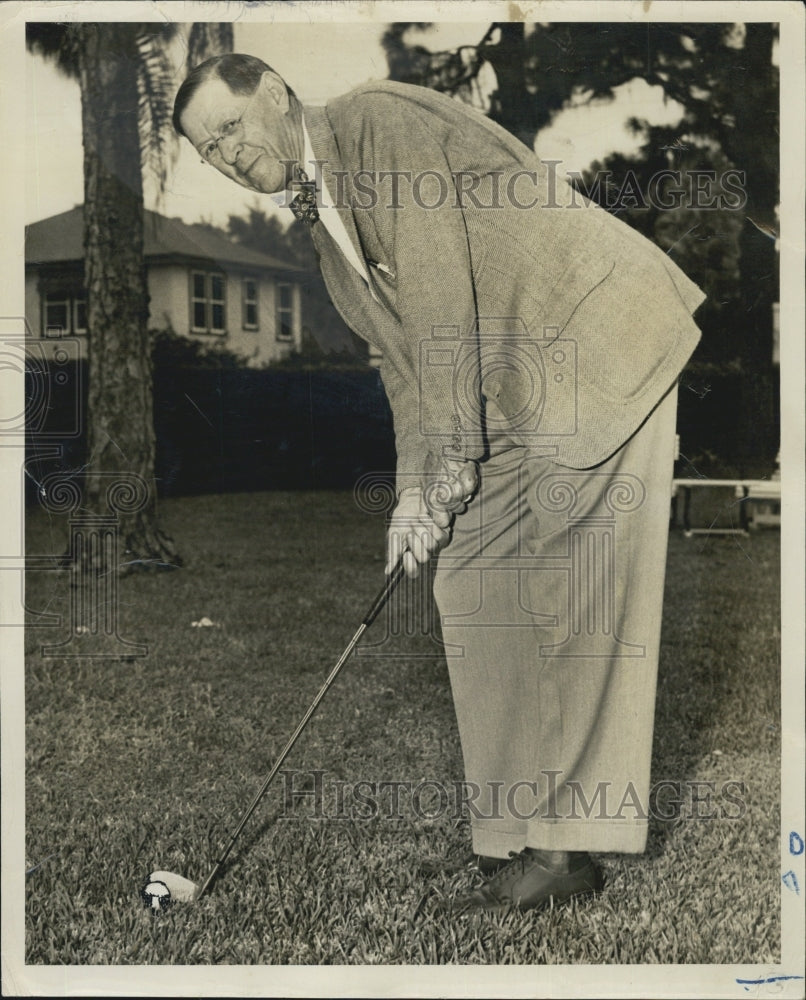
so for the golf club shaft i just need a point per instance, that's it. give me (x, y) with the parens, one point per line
(391, 582)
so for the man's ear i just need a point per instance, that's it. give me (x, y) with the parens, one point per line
(274, 88)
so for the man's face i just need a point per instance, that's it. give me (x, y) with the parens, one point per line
(250, 138)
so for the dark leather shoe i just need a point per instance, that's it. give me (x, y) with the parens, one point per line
(529, 880)
(485, 865)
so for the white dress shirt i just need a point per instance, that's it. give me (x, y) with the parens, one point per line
(329, 218)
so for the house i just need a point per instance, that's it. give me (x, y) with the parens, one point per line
(201, 285)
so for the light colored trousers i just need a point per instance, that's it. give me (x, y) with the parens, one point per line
(550, 595)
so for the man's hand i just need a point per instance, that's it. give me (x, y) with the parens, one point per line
(449, 484)
(414, 532)
(421, 521)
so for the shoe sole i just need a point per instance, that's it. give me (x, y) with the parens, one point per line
(510, 904)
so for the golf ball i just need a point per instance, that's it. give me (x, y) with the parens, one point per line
(156, 896)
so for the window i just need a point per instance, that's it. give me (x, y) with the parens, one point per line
(208, 302)
(79, 315)
(250, 304)
(63, 314)
(285, 312)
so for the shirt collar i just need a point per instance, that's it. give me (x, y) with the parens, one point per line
(284, 198)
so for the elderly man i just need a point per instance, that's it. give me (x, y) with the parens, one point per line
(531, 347)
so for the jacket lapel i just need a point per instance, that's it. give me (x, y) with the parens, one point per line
(326, 151)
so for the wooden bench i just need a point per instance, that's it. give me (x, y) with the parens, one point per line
(751, 494)
(763, 502)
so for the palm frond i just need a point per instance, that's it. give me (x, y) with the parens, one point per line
(156, 86)
(156, 77)
(58, 43)
(208, 39)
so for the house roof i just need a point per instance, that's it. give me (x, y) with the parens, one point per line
(60, 239)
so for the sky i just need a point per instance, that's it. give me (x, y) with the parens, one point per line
(320, 61)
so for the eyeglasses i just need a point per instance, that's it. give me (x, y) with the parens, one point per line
(210, 152)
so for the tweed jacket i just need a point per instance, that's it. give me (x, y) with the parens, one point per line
(494, 283)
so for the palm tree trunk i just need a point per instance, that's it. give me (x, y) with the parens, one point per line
(120, 422)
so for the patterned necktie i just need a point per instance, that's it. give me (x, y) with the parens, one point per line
(304, 205)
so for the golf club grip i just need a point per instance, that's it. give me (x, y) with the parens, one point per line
(392, 581)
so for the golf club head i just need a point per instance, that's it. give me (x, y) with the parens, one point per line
(163, 889)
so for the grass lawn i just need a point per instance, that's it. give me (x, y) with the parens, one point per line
(148, 763)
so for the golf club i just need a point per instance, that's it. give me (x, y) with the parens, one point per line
(164, 888)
